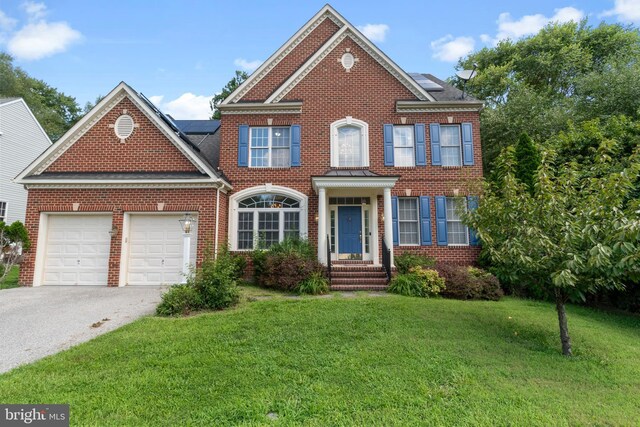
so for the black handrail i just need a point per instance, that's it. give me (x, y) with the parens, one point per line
(328, 258)
(386, 258)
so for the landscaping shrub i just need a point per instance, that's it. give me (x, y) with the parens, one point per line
(179, 300)
(285, 265)
(216, 282)
(405, 262)
(418, 282)
(464, 282)
(315, 284)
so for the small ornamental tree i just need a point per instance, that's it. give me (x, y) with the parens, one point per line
(13, 239)
(576, 233)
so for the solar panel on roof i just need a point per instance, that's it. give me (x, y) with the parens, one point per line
(168, 121)
(425, 83)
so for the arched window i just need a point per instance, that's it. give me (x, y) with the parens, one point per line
(349, 143)
(261, 219)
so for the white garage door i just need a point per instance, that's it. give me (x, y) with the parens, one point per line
(155, 250)
(77, 250)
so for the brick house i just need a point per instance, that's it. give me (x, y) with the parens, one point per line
(328, 140)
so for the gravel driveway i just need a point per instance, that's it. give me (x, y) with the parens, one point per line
(37, 322)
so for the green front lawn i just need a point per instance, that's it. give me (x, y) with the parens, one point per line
(11, 281)
(349, 361)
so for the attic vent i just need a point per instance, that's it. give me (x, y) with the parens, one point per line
(348, 61)
(124, 126)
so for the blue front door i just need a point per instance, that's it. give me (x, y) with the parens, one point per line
(350, 230)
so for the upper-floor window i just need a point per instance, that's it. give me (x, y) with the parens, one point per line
(270, 147)
(451, 145)
(349, 143)
(404, 152)
(3, 211)
(457, 232)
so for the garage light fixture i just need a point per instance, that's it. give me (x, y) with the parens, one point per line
(187, 222)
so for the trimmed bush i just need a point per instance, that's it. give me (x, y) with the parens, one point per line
(216, 282)
(405, 262)
(315, 284)
(419, 282)
(463, 282)
(179, 300)
(285, 265)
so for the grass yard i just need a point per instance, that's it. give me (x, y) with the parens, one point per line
(349, 361)
(11, 281)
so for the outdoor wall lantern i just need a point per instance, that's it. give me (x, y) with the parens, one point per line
(186, 223)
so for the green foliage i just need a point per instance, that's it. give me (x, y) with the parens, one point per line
(418, 282)
(55, 111)
(527, 161)
(16, 232)
(469, 283)
(284, 265)
(232, 85)
(179, 300)
(315, 284)
(406, 261)
(216, 282)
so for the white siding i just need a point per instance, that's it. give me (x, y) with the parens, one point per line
(21, 142)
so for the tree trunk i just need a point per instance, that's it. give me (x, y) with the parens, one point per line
(562, 321)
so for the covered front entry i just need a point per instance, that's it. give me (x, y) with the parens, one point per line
(349, 232)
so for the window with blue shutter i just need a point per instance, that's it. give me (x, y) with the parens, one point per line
(472, 203)
(388, 145)
(394, 220)
(441, 220)
(295, 145)
(421, 146)
(243, 146)
(467, 144)
(434, 133)
(425, 220)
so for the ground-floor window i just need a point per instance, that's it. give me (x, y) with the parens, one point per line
(265, 219)
(457, 232)
(408, 221)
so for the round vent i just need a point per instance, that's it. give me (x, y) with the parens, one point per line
(347, 61)
(124, 126)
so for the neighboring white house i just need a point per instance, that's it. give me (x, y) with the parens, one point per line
(22, 140)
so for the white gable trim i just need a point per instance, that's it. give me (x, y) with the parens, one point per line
(325, 13)
(21, 100)
(98, 112)
(367, 46)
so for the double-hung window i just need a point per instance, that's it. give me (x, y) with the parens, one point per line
(408, 221)
(270, 147)
(3, 211)
(451, 145)
(457, 232)
(404, 151)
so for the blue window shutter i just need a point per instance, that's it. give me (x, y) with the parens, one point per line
(295, 145)
(394, 222)
(425, 220)
(441, 220)
(436, 157)
(467, 144)
(421, 146)
(472, 203)
(388, 145)
(243, 146)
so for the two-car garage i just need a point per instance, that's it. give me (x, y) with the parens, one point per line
(77, 249)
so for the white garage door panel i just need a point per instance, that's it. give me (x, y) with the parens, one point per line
(77, 250)
(155, 249)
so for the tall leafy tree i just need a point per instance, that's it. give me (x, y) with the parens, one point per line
(527, 161)
(232, 85)
(55, 111)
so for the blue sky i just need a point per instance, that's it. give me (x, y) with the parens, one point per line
(181, 52)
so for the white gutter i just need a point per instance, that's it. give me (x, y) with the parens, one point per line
(215, 250)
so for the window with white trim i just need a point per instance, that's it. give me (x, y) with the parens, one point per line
(270, 147)
(265, 219)
(404, 151)
(408, 221)
(457, 232)
(3, 211)
(451, 145)
(349, 143)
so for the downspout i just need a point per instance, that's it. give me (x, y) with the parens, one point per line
(215, 250)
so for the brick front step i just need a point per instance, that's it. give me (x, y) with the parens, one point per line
(351, 262)
(358, 287)
(356, 268)
(355, 274)
(359, 281)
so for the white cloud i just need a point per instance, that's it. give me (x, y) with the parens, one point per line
(627, 11)
(374, 32)
(35, 10)
(247, 65)
(186, 106)
(508, 28)
(42, 39)
(450, 49)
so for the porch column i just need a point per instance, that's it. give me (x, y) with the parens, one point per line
(322, 226)
(388, 221)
